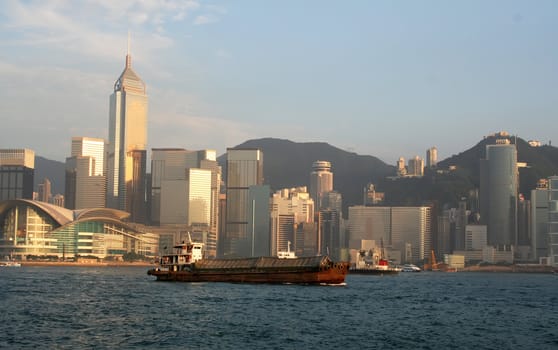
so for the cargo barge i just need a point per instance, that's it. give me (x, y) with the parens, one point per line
(188, 265)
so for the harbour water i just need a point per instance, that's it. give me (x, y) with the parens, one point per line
(122, 307)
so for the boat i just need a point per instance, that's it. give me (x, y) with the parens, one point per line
(187, 264)
(410, 268)
(9, 263)
(370, 264)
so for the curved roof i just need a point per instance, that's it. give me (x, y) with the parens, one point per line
(101, 213)
(64, 216)
(129, 81)
(61, 215)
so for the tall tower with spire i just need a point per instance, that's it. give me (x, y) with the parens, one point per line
(126, 154)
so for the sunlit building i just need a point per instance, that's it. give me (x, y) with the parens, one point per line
(37, 229)
(432, 157)
(126, 154)
(321, 181)
(17, 168)
(85, 185)
(291, 209)
(185, 188)
(416, 167)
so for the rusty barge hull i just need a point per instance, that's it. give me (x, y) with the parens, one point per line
(311, 270)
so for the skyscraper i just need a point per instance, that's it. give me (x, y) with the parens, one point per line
(498, 193)
(321, 181)
(44, 190)
(85, 180)
(553, 220)
(180, 188)
(416, 166)
(431, 157)
(244, 171)
(290, 208)
(126, 154)
(17, 168)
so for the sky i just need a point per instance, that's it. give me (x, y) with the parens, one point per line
(383, 78)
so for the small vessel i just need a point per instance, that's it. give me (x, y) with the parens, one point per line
(370, 264)
(188, 265)
(9, 263)
(410, 268)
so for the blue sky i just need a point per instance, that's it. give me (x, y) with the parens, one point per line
(381, 78)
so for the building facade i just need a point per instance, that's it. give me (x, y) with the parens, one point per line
(432, 157)
(85, 185)
(321, 181)
(17, 169)
(244, 170)
(553, 220)
(33, 229)
(498, 193)
(126, 154)
(290, 210)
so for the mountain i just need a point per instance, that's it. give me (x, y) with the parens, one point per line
(541, 161)
(52, 170)
(289, 164)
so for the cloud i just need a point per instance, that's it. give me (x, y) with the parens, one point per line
(93, 28)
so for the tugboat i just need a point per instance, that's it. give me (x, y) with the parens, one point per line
(189, 265)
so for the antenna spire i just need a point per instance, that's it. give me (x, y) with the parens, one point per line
(128, 56)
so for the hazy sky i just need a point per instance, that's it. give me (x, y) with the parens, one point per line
(384, 78)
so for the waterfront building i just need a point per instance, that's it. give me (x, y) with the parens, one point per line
(407, 230)
(185, 188)
(126, 154)
(553, 220)
(367, 224)
(498, 193)
(85, 185)
(290, 210)
(258, 228)
(244, 170)
(321, 181)
(411, 232)
(539, 220)
(475, 237)
(432, 157)
(329, 233)
(17, 168)
(37, 229)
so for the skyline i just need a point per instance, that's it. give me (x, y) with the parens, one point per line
(401, 77)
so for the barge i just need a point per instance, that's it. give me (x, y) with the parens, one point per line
(188, 265)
